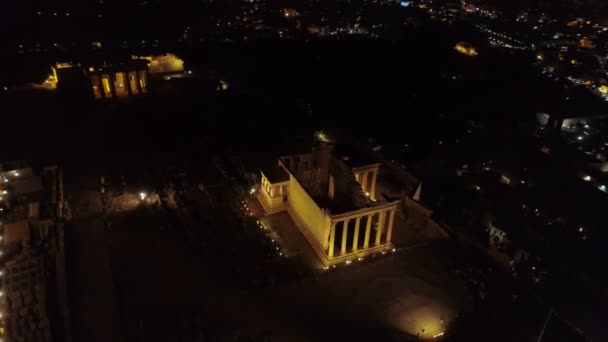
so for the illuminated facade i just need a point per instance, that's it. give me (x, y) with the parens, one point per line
(107, 81)
(333, 200)
(120, 80)
(163, 64)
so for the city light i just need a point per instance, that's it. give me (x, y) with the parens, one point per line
(580, 137)
(142, 196)
(587, 178)
(438, 335)
(602, 187)
(252, 191)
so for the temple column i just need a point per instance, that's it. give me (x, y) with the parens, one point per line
(332, 240)
(357, 176)
(381, 222)
(372, 192)
(100, 85)
(356, 236)
(344, 236)
(391, 221)
(112, 83)
(368, 228)
(127, 81)
(138, 83)
(364, 182)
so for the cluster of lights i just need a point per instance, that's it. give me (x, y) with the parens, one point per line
(263, 227)
(360, 259)
(246, 208)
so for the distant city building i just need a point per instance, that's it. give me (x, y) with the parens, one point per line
(33, 298)
(331, 194)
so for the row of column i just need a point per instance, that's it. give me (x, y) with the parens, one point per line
(273, 190)
(363, 177)
(140, 83)
(368, 226)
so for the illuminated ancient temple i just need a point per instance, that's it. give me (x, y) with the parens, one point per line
(331, 195)
(119, 80)
(107, 80)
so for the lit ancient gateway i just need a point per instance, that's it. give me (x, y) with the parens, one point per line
(330, 193)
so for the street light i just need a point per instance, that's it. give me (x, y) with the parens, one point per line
(142, 196)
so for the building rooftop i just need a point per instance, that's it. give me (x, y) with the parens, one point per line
(354, 156)
(27, 186)
(275, 173)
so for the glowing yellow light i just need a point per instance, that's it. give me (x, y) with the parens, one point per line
(106, 85)
(466, 49)
(604, 89)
